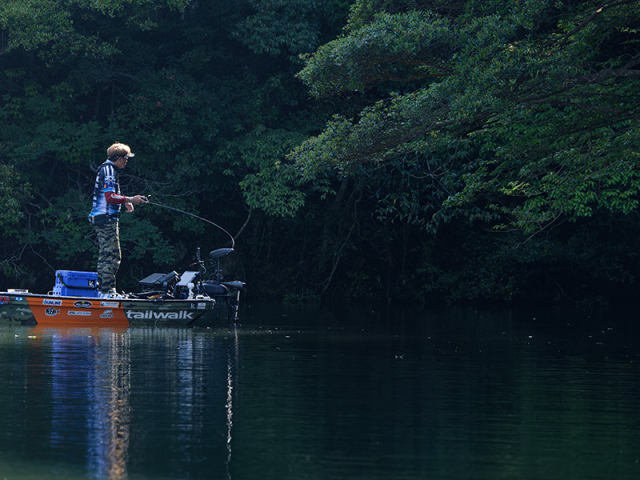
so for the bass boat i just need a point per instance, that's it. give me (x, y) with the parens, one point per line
(192, 298)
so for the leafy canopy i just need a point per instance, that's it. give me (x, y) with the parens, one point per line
(529, 108)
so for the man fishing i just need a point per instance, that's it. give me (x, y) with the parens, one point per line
(105, 213)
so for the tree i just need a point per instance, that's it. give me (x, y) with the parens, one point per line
(516, 116)
(529, 110)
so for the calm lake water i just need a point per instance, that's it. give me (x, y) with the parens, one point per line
(308, 393)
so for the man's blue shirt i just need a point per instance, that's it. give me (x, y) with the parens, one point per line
(107, 180)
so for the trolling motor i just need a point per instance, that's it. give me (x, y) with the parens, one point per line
(215, 257)
(215, 286)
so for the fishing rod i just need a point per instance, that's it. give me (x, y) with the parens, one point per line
(233, 242)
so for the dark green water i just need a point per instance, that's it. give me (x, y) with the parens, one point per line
(305, 393)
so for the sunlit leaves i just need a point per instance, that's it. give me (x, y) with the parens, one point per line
(31, 24)
(268, 182)
(541, 95)
(402, 48)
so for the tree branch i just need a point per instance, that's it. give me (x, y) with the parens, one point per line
(591, 17)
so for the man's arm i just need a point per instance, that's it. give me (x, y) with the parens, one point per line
(128, 202)
(112, 197)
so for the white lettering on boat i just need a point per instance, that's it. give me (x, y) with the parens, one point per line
(198, 306)
(57, 303)
(149, 315)
(109, 304)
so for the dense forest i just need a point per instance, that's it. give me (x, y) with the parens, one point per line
(388, 150)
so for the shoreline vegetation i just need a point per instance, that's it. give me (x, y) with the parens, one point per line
(430, 151)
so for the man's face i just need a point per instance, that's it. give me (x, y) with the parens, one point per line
(121, 162)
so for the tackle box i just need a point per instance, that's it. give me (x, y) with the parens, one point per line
(76, 284)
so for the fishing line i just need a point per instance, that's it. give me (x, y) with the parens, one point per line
(233, 242)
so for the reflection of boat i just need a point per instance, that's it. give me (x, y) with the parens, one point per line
(66, 330)
(191, 298)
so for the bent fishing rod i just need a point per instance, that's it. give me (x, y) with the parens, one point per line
(149, 202)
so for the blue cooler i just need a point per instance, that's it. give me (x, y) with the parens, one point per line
(76, 284)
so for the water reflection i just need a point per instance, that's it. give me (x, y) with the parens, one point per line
(232, 361)
(294, 393)
(113, 403)
(90, 388)
(109, 418)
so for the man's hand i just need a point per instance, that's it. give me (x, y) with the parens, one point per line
(138, 199)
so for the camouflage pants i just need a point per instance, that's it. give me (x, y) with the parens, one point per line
(109, 256)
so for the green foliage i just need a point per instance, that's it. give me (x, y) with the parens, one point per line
(36, 24)
(13, 193)
(292, 25)
(503, 116)
(409, 47)
(439, 136)
(17, 17)
(140, 238)
(539, 115)
(268, 182)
